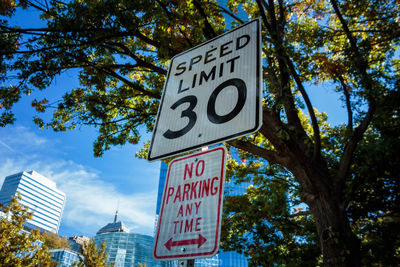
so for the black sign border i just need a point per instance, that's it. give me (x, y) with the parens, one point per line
(230, 137)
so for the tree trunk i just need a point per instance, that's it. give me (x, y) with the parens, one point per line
(339, 245)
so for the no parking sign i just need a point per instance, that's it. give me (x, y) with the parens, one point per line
(190, 217)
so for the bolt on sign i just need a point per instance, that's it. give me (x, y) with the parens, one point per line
(190, 217)
(212, 93)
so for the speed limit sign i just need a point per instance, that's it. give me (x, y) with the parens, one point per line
(212, 93)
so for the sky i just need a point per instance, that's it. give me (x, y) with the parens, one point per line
(96, 187)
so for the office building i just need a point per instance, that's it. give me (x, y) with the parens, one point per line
(76, 242)
(40, 195)
(124, 248)
(64, 257)
(222, 259)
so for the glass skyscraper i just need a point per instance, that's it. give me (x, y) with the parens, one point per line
(64, 257)
(40, 195)
(222, 259)
(126, 249)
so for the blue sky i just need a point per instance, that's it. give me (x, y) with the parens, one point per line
(95, 187)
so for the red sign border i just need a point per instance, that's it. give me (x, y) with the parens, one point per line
(218, 227)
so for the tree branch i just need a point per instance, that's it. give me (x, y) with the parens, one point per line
(138, 60)
(129, 83)
(366, 81)
(286, 68)
(36, 6)
(208, 30)
(314, 122)
(361, 64)
(271, 10)
(350, 147)
(300, 213)
(348, 105)
(282, 18)
(224, 10)
(170, 15)
(263, 15)
(271, 156)
(136, 33)
(117, 76)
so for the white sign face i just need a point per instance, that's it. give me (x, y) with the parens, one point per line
(190, 218)
(212, 93)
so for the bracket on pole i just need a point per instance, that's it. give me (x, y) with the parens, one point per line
(186, 263)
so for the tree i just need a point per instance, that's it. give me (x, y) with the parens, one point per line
(261, 223)
(269, 226)
(122, 48)
(54, 241)
(374, 190)
(93, 256)
(18, 247)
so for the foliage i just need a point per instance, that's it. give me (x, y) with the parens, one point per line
(120, 51)
(374, 201)
(54, 241)
(261, 223)
(19, 247)
(92, 256)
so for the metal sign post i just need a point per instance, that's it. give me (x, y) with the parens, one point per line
(212, 93)
(186, 263)
(190, 218)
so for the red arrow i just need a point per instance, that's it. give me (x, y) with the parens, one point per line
(200, 241)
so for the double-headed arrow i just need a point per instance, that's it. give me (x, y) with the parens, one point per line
(199, 241)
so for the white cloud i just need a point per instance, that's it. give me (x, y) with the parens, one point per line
(22, 136)
(6, 146)
(91, 200)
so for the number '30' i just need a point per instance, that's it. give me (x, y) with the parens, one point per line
(211, 112)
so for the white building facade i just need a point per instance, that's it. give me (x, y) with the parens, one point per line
(40, 195)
